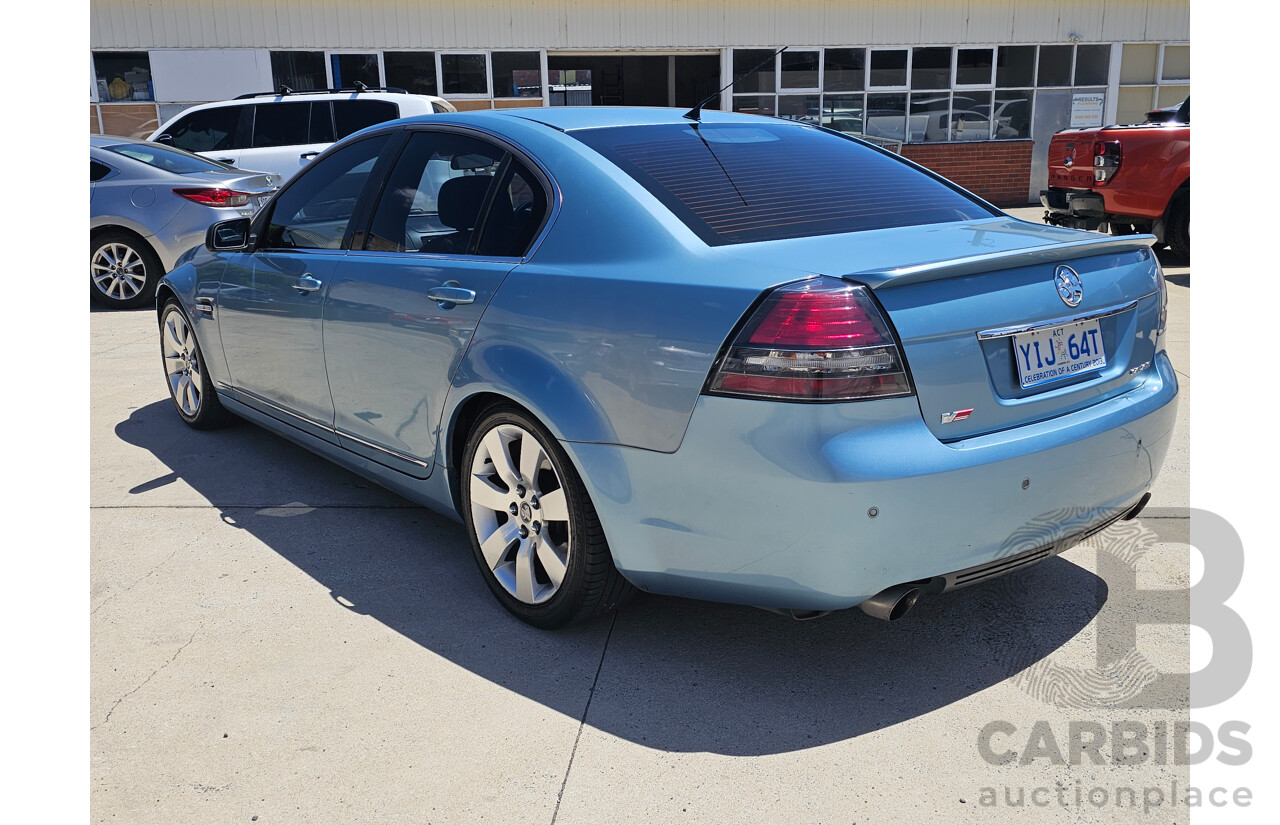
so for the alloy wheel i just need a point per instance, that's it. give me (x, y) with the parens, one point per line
(519, 514)
(182, 363)
(118, 271)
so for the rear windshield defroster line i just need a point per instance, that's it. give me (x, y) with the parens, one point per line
(739, 183)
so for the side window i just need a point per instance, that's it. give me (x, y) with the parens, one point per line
(98, 171)
(314, 211)
(208, 130)
(519, 205)
(321, 122)
(434, 195)
(280, 124)
(350, 116)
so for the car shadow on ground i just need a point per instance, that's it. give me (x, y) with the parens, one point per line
(677, 675)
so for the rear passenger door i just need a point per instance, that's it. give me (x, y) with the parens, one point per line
(285, 136)
(455, 215)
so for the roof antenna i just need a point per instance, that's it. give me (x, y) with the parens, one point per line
(695, 113)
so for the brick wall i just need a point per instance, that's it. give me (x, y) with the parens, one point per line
(997, 170)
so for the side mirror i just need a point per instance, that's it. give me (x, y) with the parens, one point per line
(166, 139)
(228, 236)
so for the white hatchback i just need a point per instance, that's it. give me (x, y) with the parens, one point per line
(281, 132)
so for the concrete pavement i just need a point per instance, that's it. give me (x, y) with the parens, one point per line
(274, 637)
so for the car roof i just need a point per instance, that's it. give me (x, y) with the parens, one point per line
(572, 118)
(111, 140)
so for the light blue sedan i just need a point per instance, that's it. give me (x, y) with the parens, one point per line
(701, 354)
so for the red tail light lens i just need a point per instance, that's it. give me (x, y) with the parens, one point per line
(818, 340)
(1106, 160)
(213, 196)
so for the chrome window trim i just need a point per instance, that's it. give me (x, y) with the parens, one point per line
(1005, 332)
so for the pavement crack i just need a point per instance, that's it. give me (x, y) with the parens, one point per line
(172, 658)
(582, 723)
(110, 598)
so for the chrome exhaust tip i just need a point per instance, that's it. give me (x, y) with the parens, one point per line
(892, 603)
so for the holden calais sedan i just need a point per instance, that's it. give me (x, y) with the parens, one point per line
(701, 354)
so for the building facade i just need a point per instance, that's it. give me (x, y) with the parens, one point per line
(971, 88)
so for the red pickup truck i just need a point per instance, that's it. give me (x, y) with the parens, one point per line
(1124, 179)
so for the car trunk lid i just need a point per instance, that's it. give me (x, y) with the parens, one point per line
(1071, 159)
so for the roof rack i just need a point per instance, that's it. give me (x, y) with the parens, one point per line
(285, 91)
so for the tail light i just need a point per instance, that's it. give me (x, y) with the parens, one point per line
(817, 340)
(214, 196)
(1106, 160)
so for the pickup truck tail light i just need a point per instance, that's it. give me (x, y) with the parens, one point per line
(1106, 160)
(818, 340)
(214, 196)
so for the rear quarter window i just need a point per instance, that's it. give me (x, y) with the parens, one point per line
(739, 183)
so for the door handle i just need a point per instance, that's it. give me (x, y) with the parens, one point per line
(307, 284)
(449, 294)
(307, 155)
(228, 161)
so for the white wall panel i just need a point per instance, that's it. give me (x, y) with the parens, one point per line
(182, 75)
(620, 24)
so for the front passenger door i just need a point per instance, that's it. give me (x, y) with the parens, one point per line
(270, 300)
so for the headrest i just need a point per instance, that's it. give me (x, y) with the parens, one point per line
(459, 201)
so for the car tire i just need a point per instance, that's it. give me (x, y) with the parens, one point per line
(190, 387)
(534, 532)
(123, 270)
(1177, 231)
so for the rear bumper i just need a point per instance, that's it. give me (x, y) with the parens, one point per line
(1073, 203)
(771, 504)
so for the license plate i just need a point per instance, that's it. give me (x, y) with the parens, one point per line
(259, 200)
(1058, 352)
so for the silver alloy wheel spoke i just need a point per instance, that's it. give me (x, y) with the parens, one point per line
(181, 363)
(118, 271)
(512, 481)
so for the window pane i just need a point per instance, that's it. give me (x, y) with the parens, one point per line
(281, 124)
(1133, 103)
(519, 206)
(1138, 63)
(1055, 66)
(1015, 66)
(799, 70)
(123, 76)
(350, 116)
(929, 118)
(843, 113)
(799, 107)
(1172, 95)
(432, 199)
(517, 74)
(349, 69)
(931, 68)
(1012, 114)
(1177, 63)
(412, 71)
(754, 104)
(207, 130)
(888, 68)
(299, 71)
(313, 213)
(98, 171)
(321, 130)
(887, 116)
(772, 180)
(1093, 65)
(971, 116)
(464, 74)
(761, 80)
(973, 67)
(844, 70)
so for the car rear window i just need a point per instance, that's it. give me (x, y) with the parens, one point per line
(738, 183)
(350, 116)
(170, 160)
